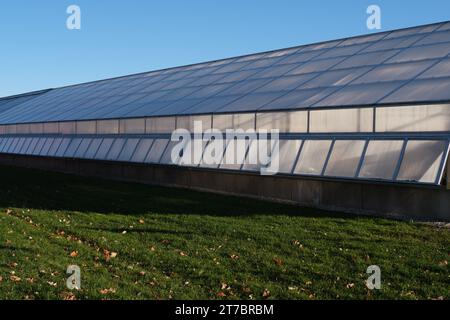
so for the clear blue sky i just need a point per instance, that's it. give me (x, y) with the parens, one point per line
(121, 37)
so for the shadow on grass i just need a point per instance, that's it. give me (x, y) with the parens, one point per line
(137, 230)
(35, 189)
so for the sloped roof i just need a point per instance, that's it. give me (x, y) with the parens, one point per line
(402, 66)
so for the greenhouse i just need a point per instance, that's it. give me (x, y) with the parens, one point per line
(363, 122)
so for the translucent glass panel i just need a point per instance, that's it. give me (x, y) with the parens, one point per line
(142, 149)
(84, 145)
(72, 148)
(359, 94)
(187, 122)
(421, 53)
(442, 69)
(286, 154)
(103, 149)
(298, 99)
(116, 149)
(86, 127)
(129, 126)
(335, 78)
(36, 128)
(62, 148)
(315, 66)
(46, 147)
(51, 127)
(259, 154)
(93, 148)
(413, 118)
(167, 155)
(422, 161)
(27, 143)
(192, 153)
(296, 121)
(128, 150)
(107, 126)
(64, 128)
(156, 151)
(341, 120)
(243, 121)
(381, 159)
(345, 157)
(393, 72)
(213, 154)
(235, 153)
(421, 90)
(312, 157)
(286, 83)
(160, 125)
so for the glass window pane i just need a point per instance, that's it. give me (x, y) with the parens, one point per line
(93, 148)
(160, 125)
(422, 160)
(132, 126)
(213, 154)
(345, 158)
(46, 146)
(235, 154)
(167, 156)
(6, 144)
(62, 148)
(259, 154)
(381, 159)
(104, 148)
(25, 146)
(86, 127)
(39, 145)
(141, 150)
(73, 146)
(296, 121)
(84, 145)
(285, 154)
(54, 147)
(341, 120)
(128, 149)
(18, 146)
(10, 144)
(312, 157)
(413, 118)
(156, 151)
(115, 150)
(107, 126)
(192, 153)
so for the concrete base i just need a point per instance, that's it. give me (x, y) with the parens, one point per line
(402, 201)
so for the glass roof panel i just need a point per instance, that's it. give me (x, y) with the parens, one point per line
(359, 94)
(393, 72)
(422, 53)
(421, 90)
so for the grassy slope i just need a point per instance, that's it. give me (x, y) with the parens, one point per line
(173, 243)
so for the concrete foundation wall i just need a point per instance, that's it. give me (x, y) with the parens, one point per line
(414, 202)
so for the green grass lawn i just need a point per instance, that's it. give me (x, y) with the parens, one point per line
(134, 241)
